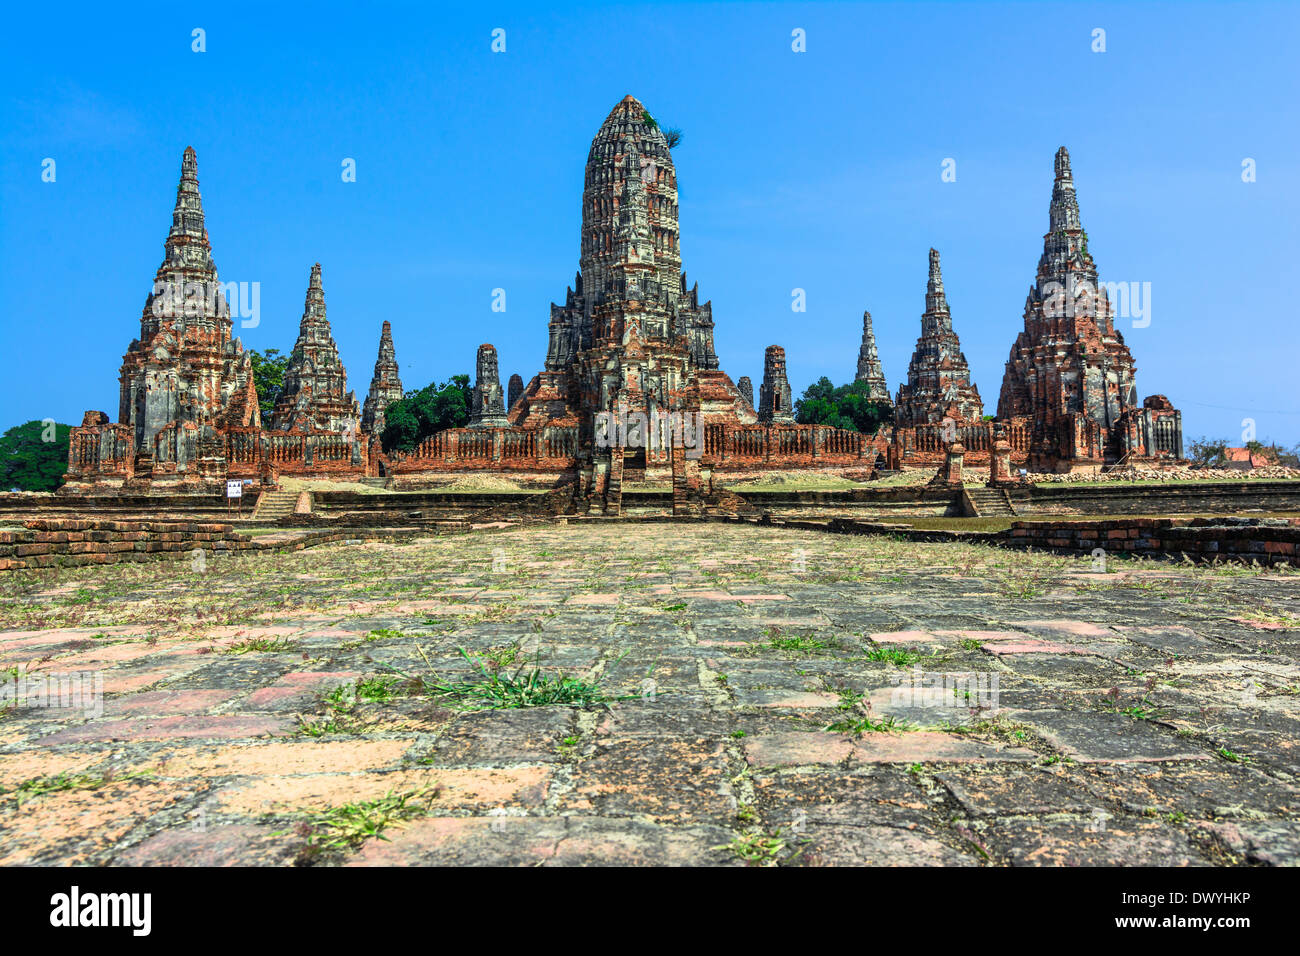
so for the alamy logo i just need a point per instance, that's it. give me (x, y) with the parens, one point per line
(656, 431)
(1128, 300)
(78, 690)
(74, 909)
(175, 299)
(940, 690)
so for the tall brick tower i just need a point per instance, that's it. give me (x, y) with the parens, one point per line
(184, 369)
(869, 367)
(314, 397)
(938, 378)
(487, 400)
(385, 384)
(775, 401)
(1069, 371)
(631, 333)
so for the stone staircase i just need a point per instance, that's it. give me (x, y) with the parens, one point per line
(991, 502)
(274, 505)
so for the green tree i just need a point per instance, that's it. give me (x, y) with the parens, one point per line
(841, 406)
(268, 378)
(1209, 452)
(34, 456)
(424, 412)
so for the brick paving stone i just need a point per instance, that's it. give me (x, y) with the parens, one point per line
(705, 731)
(1092, 737)
(1089, 841)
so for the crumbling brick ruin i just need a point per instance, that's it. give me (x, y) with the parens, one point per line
(314, 397)
(938, 385)
(487, 401)
(1070, 373)
(630, 374)
(631, 370)
(775, 397)
(869, 368)
(385, 385)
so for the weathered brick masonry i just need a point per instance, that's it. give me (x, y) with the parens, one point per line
(632, 339)
(67, 542)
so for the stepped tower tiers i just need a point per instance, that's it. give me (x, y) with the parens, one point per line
(487, 401)
(938, 378)
(869, 367)
(631, 329)
(1069, 371)
(513, 390)
(313, 398)
(385, 384)
(185, 368)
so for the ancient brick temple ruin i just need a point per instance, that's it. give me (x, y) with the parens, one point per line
(938, 379)
(189, 418)
(775, 397)
(314, 396)
(631, 386)
(631, 375)
(184, 380)
(870, 370)
(385, 384)
(1070, 373)
(487, 400)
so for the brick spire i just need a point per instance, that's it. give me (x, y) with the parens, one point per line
(385, 384)
(630, 266)
(186, 281)
(938, 378)
(315, 381)
(869, 367)
(1064, 212)
(187, 243)
(184, 367)
(1069, 369)
(936, 301)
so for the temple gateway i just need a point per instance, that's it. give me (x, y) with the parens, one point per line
(632, 387)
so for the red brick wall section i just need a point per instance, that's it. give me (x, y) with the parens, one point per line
(1199, 538)
(69, 542)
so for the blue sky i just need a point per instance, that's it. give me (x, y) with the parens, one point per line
(818, 170)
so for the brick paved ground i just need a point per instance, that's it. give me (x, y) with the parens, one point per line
(759, 705)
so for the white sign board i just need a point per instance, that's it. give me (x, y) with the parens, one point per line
(234, 489)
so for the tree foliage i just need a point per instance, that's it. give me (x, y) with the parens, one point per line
(34, 456)
(268, 378)
(1213, 452)
(841, 406)
(424, 412)
(1209, 452)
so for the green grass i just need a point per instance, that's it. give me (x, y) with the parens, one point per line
(492, 689)
(799, 644)
(259, 645)
(58, 783)
(348, 826)
(866, 724)
(890, 655)
(761, 849)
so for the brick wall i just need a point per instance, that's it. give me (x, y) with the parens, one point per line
(1204, 539)
(65, 542)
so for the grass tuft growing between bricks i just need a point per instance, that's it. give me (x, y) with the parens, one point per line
(61, 782)
(260, 645)
(348, 826)
(763, 848)
(493, 689)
